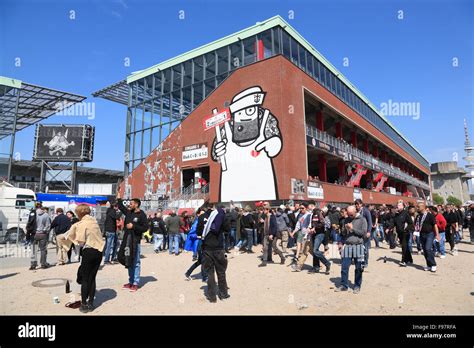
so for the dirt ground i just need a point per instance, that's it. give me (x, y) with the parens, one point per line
(386, 289)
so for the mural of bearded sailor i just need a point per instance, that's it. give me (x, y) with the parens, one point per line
(58, 143)
(249, 142)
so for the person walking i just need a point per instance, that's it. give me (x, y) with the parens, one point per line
(86, 233)
(362, 209)
(270, 230)
(425, 226)
(61, 224)
(135, 224)
(353, 251)
(318, 234)
(301, 232)
(202, 216)
(158, 228)
(439, 246)
(404, 225)
(283, 226)
(42, 226)
(173, 227)
(214, 257)
(247, 227)
(111, 216)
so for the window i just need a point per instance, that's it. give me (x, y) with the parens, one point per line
(302, 60)
(197, 93)
(157, 77)
(235, 55)
(210, 65)
(177, 74)
(167, 80)
(210, 86)
(294, 51)
(223, 60)
(266, 38)
(310, 62)
(323, 74)
(286, 44)
(198, 68)
(188, 73)
(276, 41)
(316, 68)
(249, 50)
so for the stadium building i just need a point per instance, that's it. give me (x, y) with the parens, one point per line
(290, 126)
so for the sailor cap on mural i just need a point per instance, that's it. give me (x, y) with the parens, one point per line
(250, 97)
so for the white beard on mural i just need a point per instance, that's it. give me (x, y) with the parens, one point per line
(249, 142)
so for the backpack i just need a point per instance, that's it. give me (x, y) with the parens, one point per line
(281, 223)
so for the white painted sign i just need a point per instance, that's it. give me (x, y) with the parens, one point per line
(194, 152)
(315, 190)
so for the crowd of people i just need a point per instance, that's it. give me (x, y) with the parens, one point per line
(290, 232)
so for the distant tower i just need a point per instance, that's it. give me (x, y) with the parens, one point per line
(469, 158)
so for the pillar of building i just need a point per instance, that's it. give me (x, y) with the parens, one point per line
(339, 130)
(341, 169)
(260, 50)
(366, 145)
(320, 120)
(322, 164)
(376, 151)
(354, 138)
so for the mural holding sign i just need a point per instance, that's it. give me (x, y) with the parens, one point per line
(245, 146)
(357, 194)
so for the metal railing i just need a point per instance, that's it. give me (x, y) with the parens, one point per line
(348, 148)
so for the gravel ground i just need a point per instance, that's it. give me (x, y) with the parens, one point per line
(387, 288)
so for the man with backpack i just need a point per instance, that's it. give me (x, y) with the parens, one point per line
(214, 257)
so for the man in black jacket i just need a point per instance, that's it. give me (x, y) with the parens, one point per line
(110, 227)
(404, 225)
(61, 224)
(158, 229)
(135, 225)
(214, 258)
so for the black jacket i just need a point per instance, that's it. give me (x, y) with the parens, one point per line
(399, 221)
(138, 219)
(247, 221)
(61, 224)
(214, 239)
(157, 226)
(111, 217)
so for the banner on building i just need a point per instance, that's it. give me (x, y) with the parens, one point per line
(194, 152)
(315, 190)
(298, 186)
(357, 194)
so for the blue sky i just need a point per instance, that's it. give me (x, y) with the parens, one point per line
(403, 60)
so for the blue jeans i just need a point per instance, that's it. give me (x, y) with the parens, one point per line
(173, 238)
(410, 242)
(233, 233)
(183, 239)
(439, 246)
(134, 272)
(255, 237)
(110, 246)
(158, 241)
(334, 236)
(373, 236)
(346, 263)
(382, 233)
(251, 234)
(318, 254)
(366, 252)
(426, 240)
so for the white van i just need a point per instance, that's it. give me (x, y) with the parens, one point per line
(15, 206)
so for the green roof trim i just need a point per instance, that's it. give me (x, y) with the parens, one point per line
(253, 30)
(8, 81)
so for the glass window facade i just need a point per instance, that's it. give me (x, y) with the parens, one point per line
(159, 102)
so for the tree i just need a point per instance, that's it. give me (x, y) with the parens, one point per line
(454, 201)
(437, 199)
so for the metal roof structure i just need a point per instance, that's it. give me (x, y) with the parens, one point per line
(116, 93)
(24, 104)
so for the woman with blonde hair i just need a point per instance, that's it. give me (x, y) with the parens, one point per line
(87, 234)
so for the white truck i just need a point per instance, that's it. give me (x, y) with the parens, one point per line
(15, 206)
